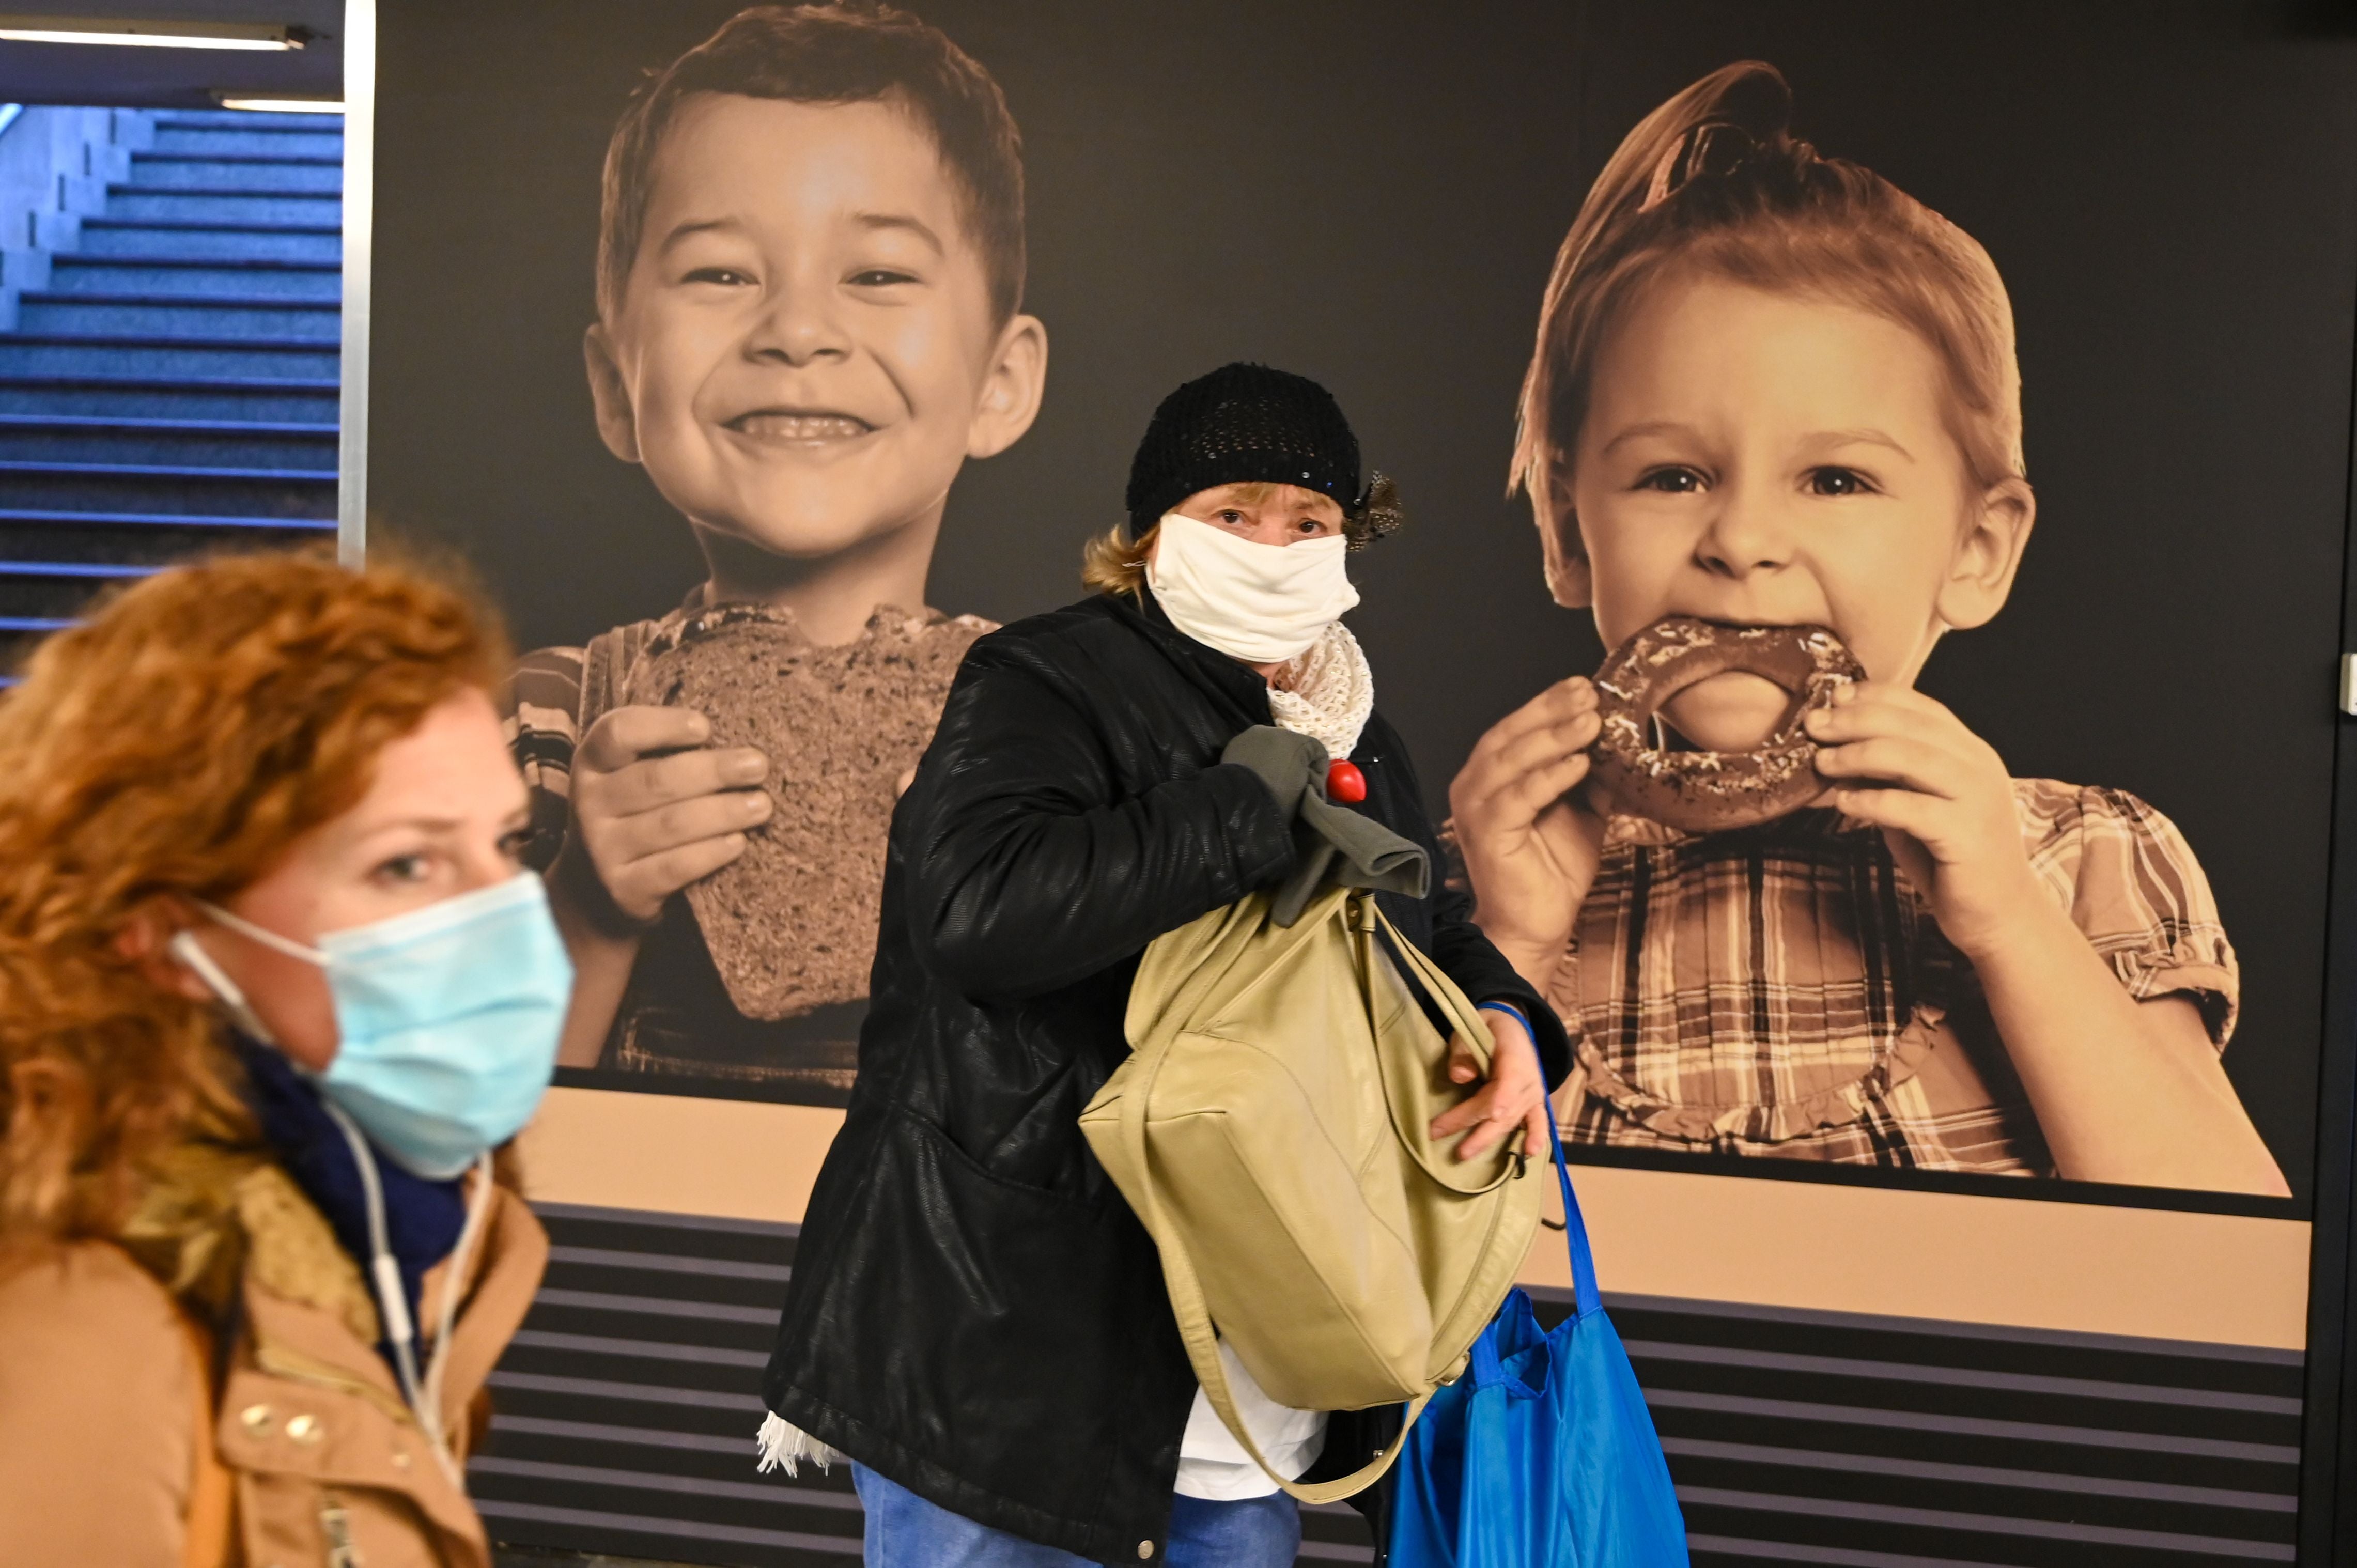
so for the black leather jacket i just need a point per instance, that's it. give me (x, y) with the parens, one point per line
(974, 1312)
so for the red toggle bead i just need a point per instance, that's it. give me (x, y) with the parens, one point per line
(1345, 783)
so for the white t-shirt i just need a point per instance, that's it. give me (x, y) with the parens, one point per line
(1214, 1467)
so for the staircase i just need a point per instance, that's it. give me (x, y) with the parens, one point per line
(173, 389)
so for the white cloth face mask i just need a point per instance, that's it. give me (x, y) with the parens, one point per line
(1261, 603)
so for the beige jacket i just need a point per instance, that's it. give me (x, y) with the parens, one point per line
(115, 1451)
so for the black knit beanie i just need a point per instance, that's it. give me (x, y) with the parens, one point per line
(1245, 424)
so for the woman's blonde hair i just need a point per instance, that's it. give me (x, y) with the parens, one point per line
(1114, 562)
(172, 746)
(1713, 183)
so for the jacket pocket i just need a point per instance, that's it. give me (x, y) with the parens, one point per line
(951, 1154)
(978, 1324)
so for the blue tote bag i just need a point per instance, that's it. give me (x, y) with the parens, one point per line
(1541, 1454)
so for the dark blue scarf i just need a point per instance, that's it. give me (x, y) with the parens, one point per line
(422, 1218)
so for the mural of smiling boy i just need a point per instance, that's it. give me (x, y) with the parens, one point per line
(809, 278)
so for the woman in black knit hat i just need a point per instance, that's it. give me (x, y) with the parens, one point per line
(975, 1319)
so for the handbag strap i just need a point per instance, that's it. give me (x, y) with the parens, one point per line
(1367, 919)
(1585, 1298)
(209, 1539)
(1203, 1351)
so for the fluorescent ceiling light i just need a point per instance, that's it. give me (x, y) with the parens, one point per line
(152, 34)
(285, 105)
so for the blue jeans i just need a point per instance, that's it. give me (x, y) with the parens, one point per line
(904, 1531)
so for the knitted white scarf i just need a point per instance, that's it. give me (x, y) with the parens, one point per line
(1332, 692)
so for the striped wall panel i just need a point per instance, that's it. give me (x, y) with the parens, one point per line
(628, 1404)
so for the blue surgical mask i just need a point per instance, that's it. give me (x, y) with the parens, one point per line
(448, 1018)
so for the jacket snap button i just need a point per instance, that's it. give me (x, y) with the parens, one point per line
(254, 1418)
(1145, 1550)
(304, 1428)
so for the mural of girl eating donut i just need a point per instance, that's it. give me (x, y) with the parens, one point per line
(1770, 390)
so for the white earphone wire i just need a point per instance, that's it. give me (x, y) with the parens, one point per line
(385, 1276)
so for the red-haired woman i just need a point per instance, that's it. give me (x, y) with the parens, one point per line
(272, 990)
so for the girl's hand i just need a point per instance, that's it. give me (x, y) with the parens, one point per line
(1530, 839)
(1944, 799)
(1516, 1091)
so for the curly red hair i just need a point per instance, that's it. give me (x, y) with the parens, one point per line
(173, 747)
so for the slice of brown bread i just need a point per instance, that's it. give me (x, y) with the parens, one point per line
(791, 923)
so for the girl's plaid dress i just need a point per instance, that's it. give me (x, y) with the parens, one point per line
(1781, 990)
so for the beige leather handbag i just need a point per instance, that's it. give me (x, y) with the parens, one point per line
(1269, 1131)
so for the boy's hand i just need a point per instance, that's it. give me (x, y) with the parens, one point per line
(1944, 799)
(1531, 840)
(655, 809)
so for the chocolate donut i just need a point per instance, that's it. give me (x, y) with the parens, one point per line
(1706, 791)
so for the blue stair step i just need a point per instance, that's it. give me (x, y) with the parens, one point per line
(72, 570)
(265, 119)
(83, 522)
(244, 172)
(112, 237)
(138, 397)
(184, 443)
(307, 141)
(57, 590)
(139, 204)
(144, 539)
(174, 389)
(84, 277)
(50, 484)
(194, 318)
(164, 357)
(274, 153)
